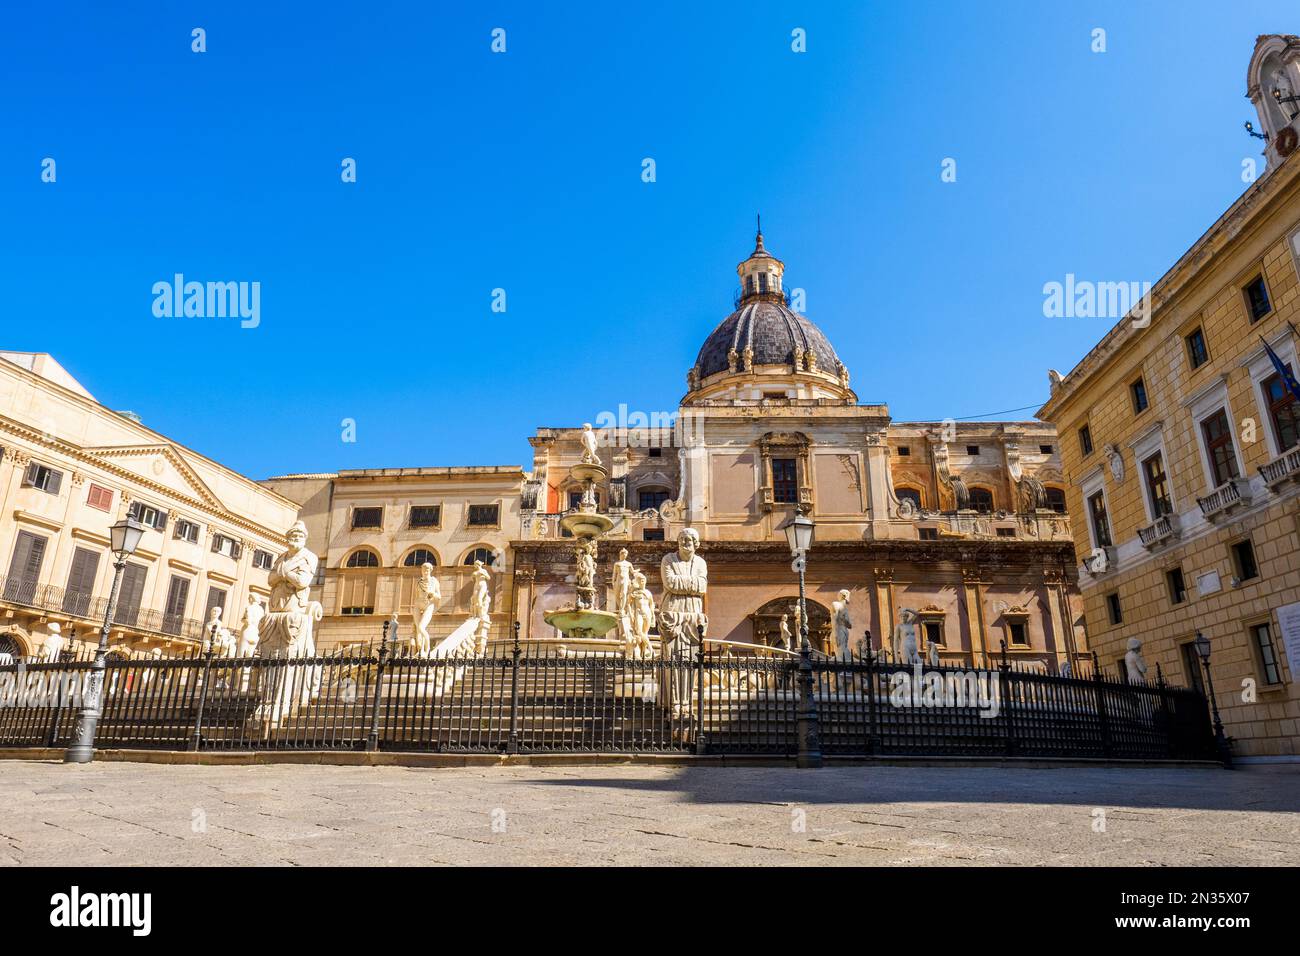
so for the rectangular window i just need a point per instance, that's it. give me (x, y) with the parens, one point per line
(1177, 586)
(651, 499)
(131, 593)
(186, 531)
(99, 497)
(426, 516)
(178, 596)
(1019, 633)
(1044, 449)
(1192, 668)
(367, 518)
(1283, 411)
(1113, 609)
(904, 451)
(652, 534)
(1218, 445)
(263, 559)
(1262, 635)
(25, 568)
(1006, 532)
(1056, 500)
(972, 450)
(934, 632)
(1100, 521)
(1197, 353)
(148, 515)
(216, 598)
(358, 594)
(1257, 303)
(655, 452)
(81, 582)
(928, 534)
(222, 544)
(785, 480)
(43, 478)
(487, 516)
(1243, 560)
(1138, 392)
(1153, 470)
(1085, 441)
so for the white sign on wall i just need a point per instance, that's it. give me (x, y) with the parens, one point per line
(1288, 622)
(1208, 583)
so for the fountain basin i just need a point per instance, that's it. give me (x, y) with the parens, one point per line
(588, 471)
(581, 622)
(586, 524)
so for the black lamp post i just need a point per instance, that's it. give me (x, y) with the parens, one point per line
(799, 535)
(1202, 645)
(124, 538)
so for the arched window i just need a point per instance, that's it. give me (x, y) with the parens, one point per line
(1056, 500)
(420, 556)
(575, 498)
(480, 554)
(364, 558)
(912, 495)
(981, 500)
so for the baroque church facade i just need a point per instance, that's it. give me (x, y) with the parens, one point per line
(963, 523)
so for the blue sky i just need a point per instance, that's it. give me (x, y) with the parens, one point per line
(522, 171)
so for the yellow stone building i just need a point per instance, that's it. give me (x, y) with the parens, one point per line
(70, 469)
(1180, 445)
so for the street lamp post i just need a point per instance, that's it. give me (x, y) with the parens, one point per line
(124, 539)
(1202, 645)
(799, 535)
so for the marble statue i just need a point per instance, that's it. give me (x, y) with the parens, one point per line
(932, 654)
(843, 623)
(1114, 458)
(222, 642)
(248, 635)
(427, 595)
(589, 445)
(798, 625)
(682, 621)
(1134, 663)
(286, 630)
(1066, 669)
(906, 650)
(787, 640)
(480, 602)
(584, 580)
(641, 617)
(54, 644)
(622, 582)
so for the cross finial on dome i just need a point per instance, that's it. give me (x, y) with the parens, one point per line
(758, 240)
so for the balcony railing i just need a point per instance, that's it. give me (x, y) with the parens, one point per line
(1163, 530)
(1224, 498)
(1285, 467)
(87, 607)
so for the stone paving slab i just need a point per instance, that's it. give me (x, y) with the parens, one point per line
(311, 815)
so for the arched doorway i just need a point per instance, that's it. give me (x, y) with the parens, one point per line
(9, 646)
(15, 642)
(766, 622)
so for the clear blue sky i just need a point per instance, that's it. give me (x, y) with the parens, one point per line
(523, 171)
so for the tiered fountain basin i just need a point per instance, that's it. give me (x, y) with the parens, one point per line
(582, 623)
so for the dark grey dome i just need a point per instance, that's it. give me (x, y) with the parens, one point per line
(772, 331)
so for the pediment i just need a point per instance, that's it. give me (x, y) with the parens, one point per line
(159, 464)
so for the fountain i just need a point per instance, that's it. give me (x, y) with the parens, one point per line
(583, 620)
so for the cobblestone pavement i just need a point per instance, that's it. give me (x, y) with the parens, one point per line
(123, 813)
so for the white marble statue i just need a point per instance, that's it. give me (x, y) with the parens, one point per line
(248, 634)
(222, 641)
(932, 654)
(589, 445)
(906, 649)
(843, 623)
(682, 620)
(427, 595)
(54, 644)
(1135, 666)
(641, 618)
(285, 630)
(622, 580)
(787, 640)
(480, 601)
(797, 609)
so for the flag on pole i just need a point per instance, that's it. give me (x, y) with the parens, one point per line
(1285, 373)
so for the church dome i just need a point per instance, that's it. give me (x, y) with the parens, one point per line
(766, 349)
(772, 331)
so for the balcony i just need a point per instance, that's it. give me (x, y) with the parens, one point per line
(1282, 469)
(1160, 532)
(87, 607)
(1221, 500)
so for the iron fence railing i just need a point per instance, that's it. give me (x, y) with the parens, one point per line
(549, 700)
(92, 608)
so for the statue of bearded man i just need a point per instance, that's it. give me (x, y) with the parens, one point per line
(286, 629)
(682, 622)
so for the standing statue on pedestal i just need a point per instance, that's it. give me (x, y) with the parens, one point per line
(622, 582)
(222, 642)
(787, 641)
(480, 601)
(1135, 666)
(285, 631)
(640, 618)
(843, 624)
(798, 627)
(682, 620)
(427, 595)
(589, 445)
(584, 581)
(906, 649)
(248, 634)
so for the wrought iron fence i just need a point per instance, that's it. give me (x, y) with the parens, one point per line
(550, 700)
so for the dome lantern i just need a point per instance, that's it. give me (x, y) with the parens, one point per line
(760, 274)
